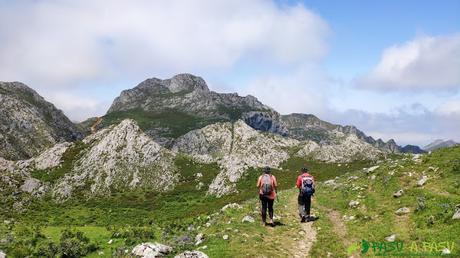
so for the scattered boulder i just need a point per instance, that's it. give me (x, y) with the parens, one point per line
(353, 204)
(353, 178)
(110, 241)
(434, 169)
(2, 254)
(348, 218)
(370, 170)
(390, 238)
(151, 250)
(430, 220)
(402, 211)
(199, 185)
(199, 239)
(398, 193)
(422, 181)
(417, 158)
(445, 251)
(330, 182)
(373, 177)
(30, 185)
(191, 254)
(248, 218)
(231, 206)
(457, 212)
(225, 237)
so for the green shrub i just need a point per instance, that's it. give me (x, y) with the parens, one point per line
(75, 244)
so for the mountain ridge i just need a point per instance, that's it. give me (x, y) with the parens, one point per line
(29, 124)
(439, 143)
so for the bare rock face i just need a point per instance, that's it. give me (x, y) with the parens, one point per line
(120, 157)
(342, 148)
(185, 93)
(265, 121)
(235, 147)
(15, 176)
(168, 109)
(191, 254)
(151, 250)
(49, 158)
(29, 124)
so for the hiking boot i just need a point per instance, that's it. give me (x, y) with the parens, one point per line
(303, 219)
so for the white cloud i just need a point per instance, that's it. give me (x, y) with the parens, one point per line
(76, 106)
(450, 108)
(409, 124)
(65, 43)
(302, 91)
(428, 63)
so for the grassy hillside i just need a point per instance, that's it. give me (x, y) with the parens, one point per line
(161, 216)
(176, 217)
(428, 224)
(168, 123)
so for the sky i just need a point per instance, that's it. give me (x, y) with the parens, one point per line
(391, 68)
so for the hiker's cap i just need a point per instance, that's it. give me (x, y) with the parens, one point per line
(304, 169)
(267, 169)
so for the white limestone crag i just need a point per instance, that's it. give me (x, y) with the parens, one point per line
(235, 147)
(119, 157)
(343, 148)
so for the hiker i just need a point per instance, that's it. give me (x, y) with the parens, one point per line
(267, 192)
(306, 185)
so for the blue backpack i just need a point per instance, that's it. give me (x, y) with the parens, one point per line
(308, 188)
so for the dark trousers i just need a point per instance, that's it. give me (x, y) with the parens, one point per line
(304, 205)
(266, 203)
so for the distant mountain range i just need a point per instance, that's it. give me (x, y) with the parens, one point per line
(437, 144)
(148, 129)
(164, 110)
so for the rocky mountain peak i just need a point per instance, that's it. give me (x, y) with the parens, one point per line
(187, 82)
(439, 143)
(178, 83)
(29, 124)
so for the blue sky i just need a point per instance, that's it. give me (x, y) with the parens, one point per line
(389, 67)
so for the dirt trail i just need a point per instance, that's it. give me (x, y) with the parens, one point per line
(340, 228)
(307, 233)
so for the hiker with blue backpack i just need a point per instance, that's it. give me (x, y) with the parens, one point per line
(306, 185)
(267, 193)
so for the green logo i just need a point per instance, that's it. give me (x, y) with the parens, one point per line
(398, 248)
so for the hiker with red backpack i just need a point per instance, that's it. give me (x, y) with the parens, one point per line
(267, 193)
(306, 185)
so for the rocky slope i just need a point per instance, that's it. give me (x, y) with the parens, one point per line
(118, 158)
(29, 124)
(437, 144)
(340, 149)
(235, 147)
(186, 93)
(309, 127)
(169, 108)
